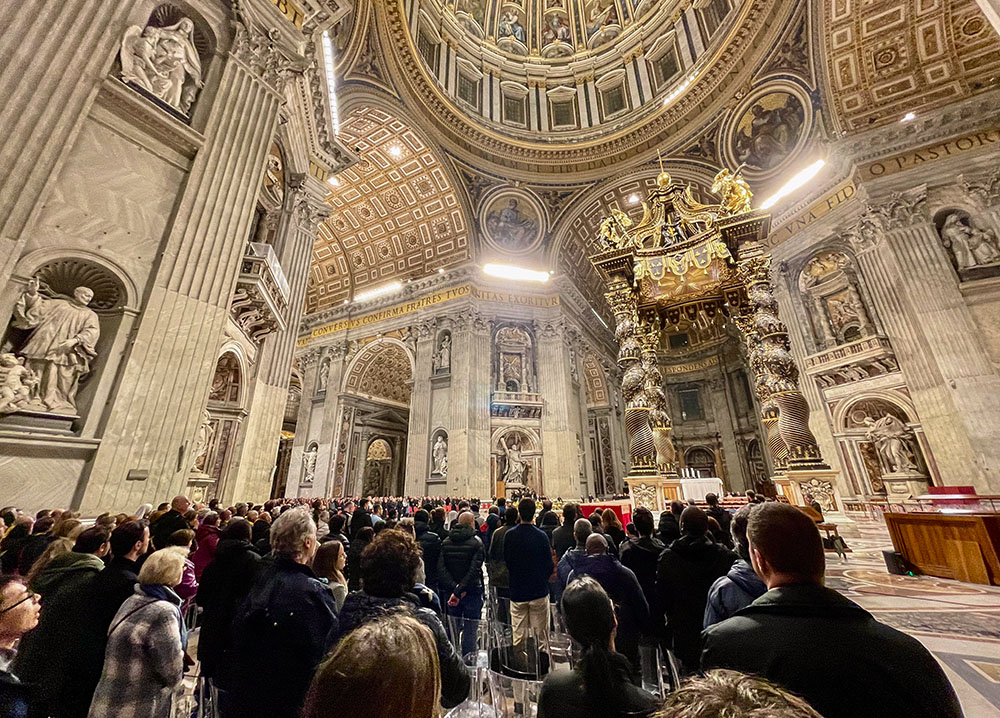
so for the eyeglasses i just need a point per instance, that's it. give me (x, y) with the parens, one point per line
(29, 596)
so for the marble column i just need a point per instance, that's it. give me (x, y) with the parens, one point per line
(419, 430)
(954, 386)
(53, 57)
(560, 474)
(162, 389)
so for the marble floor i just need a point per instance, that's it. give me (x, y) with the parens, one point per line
(958, 622)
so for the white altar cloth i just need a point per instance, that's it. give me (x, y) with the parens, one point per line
(697, 488)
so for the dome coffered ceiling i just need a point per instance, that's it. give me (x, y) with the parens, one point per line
(395, 214)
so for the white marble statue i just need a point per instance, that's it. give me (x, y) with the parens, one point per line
(62, 343)
(444, 354)
(516, 469)
(16, 384)
(891, 437)
(440, 454)
(309, 465)
(971, 246)
(323, 376)
(202, 441)
(163, 61)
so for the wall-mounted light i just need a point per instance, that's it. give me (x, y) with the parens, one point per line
(506, 271)
(794, 183)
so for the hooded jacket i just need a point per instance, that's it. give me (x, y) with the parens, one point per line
(624, 590)
(360, 608)
(817, 644)
(641, 555)
(737, 589)
(684, 573)
(460, 563)
(669, 529)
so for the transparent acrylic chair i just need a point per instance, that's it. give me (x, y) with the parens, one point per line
(515, 674)
(472, 638)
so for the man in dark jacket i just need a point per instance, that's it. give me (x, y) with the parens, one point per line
(360, 518)
(724, 518)
(225, 584)
(546, 509)
(562, 538)
(684, 573)
(623, 588)
(669, 528)
(284, 628)
(570, 561)
(814, 642)
(497, 569)
(430, 545)
(528, 555)
(173, 520)
(460, 577)
(18, 616)
(641, 555)
(96, 605)
(741, 586)
(45, 652)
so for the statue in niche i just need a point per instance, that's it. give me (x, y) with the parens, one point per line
(442, 358)
(163, 61)
(17, 382)
(516, 469)
(323, 377)
(971, 246)
(62, 343)
(309, 464)
(202, 441)
(440, 454)
(891, 437)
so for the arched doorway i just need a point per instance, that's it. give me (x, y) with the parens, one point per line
(217, 435)
(700, 460)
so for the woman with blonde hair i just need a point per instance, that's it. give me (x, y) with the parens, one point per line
(144, 661)
(392, 661)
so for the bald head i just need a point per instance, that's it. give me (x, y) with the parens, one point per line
(596, 545)
(467, 519)
(180, 504)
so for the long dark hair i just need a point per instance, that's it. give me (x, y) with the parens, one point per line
(590, 619)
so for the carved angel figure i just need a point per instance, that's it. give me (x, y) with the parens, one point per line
(610, 235)
(16, 384)
(163, 61)
(891, 437)
(733, 190)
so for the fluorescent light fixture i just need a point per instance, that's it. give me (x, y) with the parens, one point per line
(506, 271)
(908, 117)
(678, 90)
(794, 183)
(379, 291)
(331, 84)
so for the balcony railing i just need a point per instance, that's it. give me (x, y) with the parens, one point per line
(261, 297)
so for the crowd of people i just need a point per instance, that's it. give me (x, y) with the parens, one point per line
(330, 607)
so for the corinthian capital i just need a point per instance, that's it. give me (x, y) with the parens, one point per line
(310, 212)
(905, 209)
(985, 192)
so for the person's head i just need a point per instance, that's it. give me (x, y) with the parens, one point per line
(735, 695)
(422, 516)
(676, 507)
(394, 658)
(93, 540)
(609, 519)
(546, 505)
(570, 512)
(438, 514)
(182, 538)
(738, 528)
(467, 518)
(643, 520)
(526, 510)
(785, 546)
(365, 504)
(43, 525)
(241, 509)
(210, 519)
(550, 519)
(714, 529)
(582, 529)
(389, 564)
(83, 295)
(164, 567)
(68, 528)
(711, 499)
(366, 534)
(337, 522)
(19, 609)
(494, 510)
(293, 535)
(694, 522)
(180, 504)
(596, 545)
(751, 494)
(238, 530)
(130, 540)
(330, 561)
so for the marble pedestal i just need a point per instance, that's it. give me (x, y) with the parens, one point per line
(654, 492)
(902, 486)
(818, 482)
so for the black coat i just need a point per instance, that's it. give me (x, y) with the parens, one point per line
(282, 632)
(626, 594)
(563, 696)
(725, 520)
(495, 566)
(225, 584)
(563, 539)
(430, 545)
(669, 528)
(817, 644)
(360, 608)
(684, 573)
(460, 564)
(354, 564)
(641, 555)
(359, 519)
(160, 530)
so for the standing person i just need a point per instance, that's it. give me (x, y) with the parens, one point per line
(19, 609)
(224, 585)
(600, 684)
(571, 560)
(562, 538)
(528, 555)
(188, 586)
(144, 662)
(546, 510)
(358, 545)
(814, 642)
(460, 576)
(329, 566)
(430, 546)
(613, 527)
(285, 627)
(437, 524)
(361, 518)
(741, 586)
(496, 568)
(669, 528)
(641, 556)
(684, 573)
(493, 521)
(724, 518)
(161, 529)
(207, 537)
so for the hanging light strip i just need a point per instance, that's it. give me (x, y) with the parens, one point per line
(331, 85)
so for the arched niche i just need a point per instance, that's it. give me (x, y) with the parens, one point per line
(829, 286)
(700, 459)
(441, 361)
(514, 359)
(378, 478)
(516, 454)
(271, 197)
(439, 455)
(970, 242)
